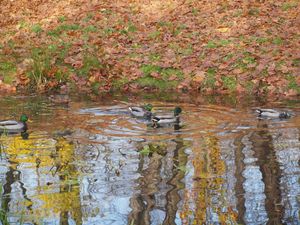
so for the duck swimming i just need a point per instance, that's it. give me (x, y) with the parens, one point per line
(12, 126)
(141, 111)
(166, 119)
(271, 113)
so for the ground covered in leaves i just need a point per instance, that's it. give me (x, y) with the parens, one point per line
(98, 46)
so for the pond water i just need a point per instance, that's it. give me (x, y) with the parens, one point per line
(90, 162)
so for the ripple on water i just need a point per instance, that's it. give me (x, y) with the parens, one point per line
(99, 168)
(195, 121)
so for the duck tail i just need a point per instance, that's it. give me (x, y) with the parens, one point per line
(155, 119)
(259, 111)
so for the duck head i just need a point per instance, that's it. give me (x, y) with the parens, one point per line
(284, 115)
(148, 107)
(177, 111)
(24, 118)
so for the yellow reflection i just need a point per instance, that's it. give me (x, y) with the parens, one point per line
(207, 184)
(50, 159)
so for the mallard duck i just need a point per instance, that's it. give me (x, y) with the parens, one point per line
(166, 119)
(271, 113)
(12, 126)
(141, 111)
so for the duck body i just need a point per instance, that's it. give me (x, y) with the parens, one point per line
(271, 113)
(143, 112)
(166, 119)
(13, 126)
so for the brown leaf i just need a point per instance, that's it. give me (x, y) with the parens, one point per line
(199, 77)
(155, 75)
(237, 71)
(173, 77)
(271, 69)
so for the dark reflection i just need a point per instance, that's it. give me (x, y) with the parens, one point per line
(152, 194)
(239, 189)
(13, 176)
(172, 196)
(25, 135)
(144, 202)
(264, 151)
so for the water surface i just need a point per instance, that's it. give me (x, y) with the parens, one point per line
(90, 162)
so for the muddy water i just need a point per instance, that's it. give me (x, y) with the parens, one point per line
(91, 163)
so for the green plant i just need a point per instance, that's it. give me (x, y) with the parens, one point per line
(108, 31)
(218, 43)
(148, 69)
(61, 19)
(63, 28)
(89, 62)
(119, 83)
(154, 34)
(292, 83)
(211, 44)
(210, 78)
(289, 5)
(249, 86)
(36, 28)
(88, 17)
(131, 27)
(90, 28)
(230, 82)
(296, 62)
(154, 57)
(277, 41)
(253, 11)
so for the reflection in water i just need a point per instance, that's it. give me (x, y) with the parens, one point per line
(92, 163)
(159, 185)
(264, 152)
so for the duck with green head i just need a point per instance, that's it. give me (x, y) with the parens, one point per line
(143, 112)
(166, 119)
(13, 126)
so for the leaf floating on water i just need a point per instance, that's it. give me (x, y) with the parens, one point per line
(145, 150)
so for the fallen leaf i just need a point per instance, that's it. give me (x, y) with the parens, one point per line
(223, 29)
(199, 77)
